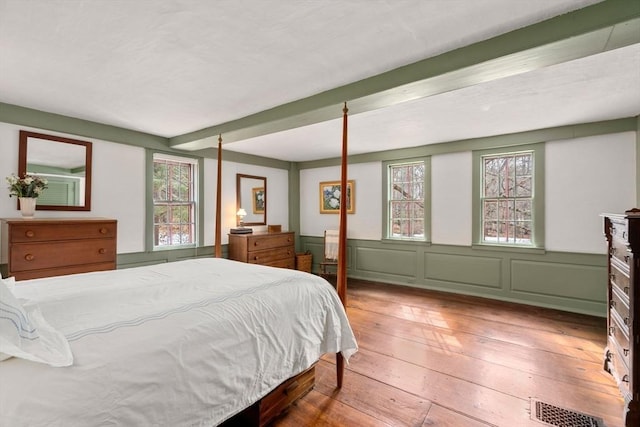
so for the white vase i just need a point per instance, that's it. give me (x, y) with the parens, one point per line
(27, 206)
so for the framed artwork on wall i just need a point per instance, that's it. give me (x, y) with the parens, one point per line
(331, 195)
(258, 200)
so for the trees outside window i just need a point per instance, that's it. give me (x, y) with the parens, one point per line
(406, 200)
(174, 201)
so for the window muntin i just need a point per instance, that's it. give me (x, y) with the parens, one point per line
(507, 198)
(406, 201)
(174, 201)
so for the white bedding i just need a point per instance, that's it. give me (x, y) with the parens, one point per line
(188, 343)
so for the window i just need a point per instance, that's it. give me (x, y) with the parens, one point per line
(406, 213)
(510, 183)
(507, 198)
(174, 201)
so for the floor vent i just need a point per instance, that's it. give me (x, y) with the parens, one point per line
(560, 417)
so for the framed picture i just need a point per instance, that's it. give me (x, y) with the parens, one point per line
(331, 195)
(258, 200)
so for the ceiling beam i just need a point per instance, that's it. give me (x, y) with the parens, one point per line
(595, 29)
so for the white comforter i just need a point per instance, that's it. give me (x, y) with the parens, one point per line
(189, 343)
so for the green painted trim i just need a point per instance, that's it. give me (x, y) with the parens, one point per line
(55, 122)
(200, 219)
(489, 142)
(566, 281)
(22, 116)
(138, 259)
(538, 197)
(607, 25)
(294, 202)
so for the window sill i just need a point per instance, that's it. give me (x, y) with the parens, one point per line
(509, 248)
(406, 242)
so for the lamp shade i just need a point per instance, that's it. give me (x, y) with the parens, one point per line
(241, 212)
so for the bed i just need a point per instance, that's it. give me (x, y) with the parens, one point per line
(187, 343)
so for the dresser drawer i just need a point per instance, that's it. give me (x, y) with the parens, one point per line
(619, 304)
(43, 231)
(619, 368)
(620, 279)
(619, 229)
(260, 242)
(619, 251)
(271, 255)
(35, 256)
(619, 333)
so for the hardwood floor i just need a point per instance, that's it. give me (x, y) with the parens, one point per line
(436, 359)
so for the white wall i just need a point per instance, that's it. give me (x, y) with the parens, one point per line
(584, 177)
(118, 189)
(451, 198)
(365, 223)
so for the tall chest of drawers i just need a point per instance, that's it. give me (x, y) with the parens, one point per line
(34, 248)
(276, 249)
(622, 357)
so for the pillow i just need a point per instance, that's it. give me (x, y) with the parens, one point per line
(24, 333)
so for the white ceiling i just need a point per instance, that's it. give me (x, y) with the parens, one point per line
(177, 66)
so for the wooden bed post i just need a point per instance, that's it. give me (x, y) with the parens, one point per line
(342, 238)
(218, 239)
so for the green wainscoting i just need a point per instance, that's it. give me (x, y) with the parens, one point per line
(566, 281)
(139, 259)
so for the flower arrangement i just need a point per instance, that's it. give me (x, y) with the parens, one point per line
(27, 186)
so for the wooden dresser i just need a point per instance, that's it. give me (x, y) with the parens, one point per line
(273, 249)
(622, 357)
(34, 248)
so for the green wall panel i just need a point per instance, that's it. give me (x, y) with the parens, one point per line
(582, 282)
(474, 270)
(395, 262)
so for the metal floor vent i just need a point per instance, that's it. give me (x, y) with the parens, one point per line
(556, 416)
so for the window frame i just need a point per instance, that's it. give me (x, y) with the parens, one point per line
(537, 199)
(197, 179)
(386, 202)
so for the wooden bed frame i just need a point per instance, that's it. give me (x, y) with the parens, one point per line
(275, 403)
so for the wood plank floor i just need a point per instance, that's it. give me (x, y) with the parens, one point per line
(435, 359)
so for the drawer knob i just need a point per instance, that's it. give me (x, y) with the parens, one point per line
(626, 351)
(612, 276)
(102, 251)
(103, 230)
(626, 290)
(255, 258)
(255, 243)
(612, 251)
(626, 259)
(625, 379)
(624, 235)
(612, 329)
(291, 387)
(626, 321)
(29, 233)
(612, 304)
(29, 257)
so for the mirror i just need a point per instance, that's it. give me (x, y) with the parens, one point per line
(65, 163)
(251, 195)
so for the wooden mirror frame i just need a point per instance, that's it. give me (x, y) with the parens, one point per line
(239, 178)
(22, 168)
